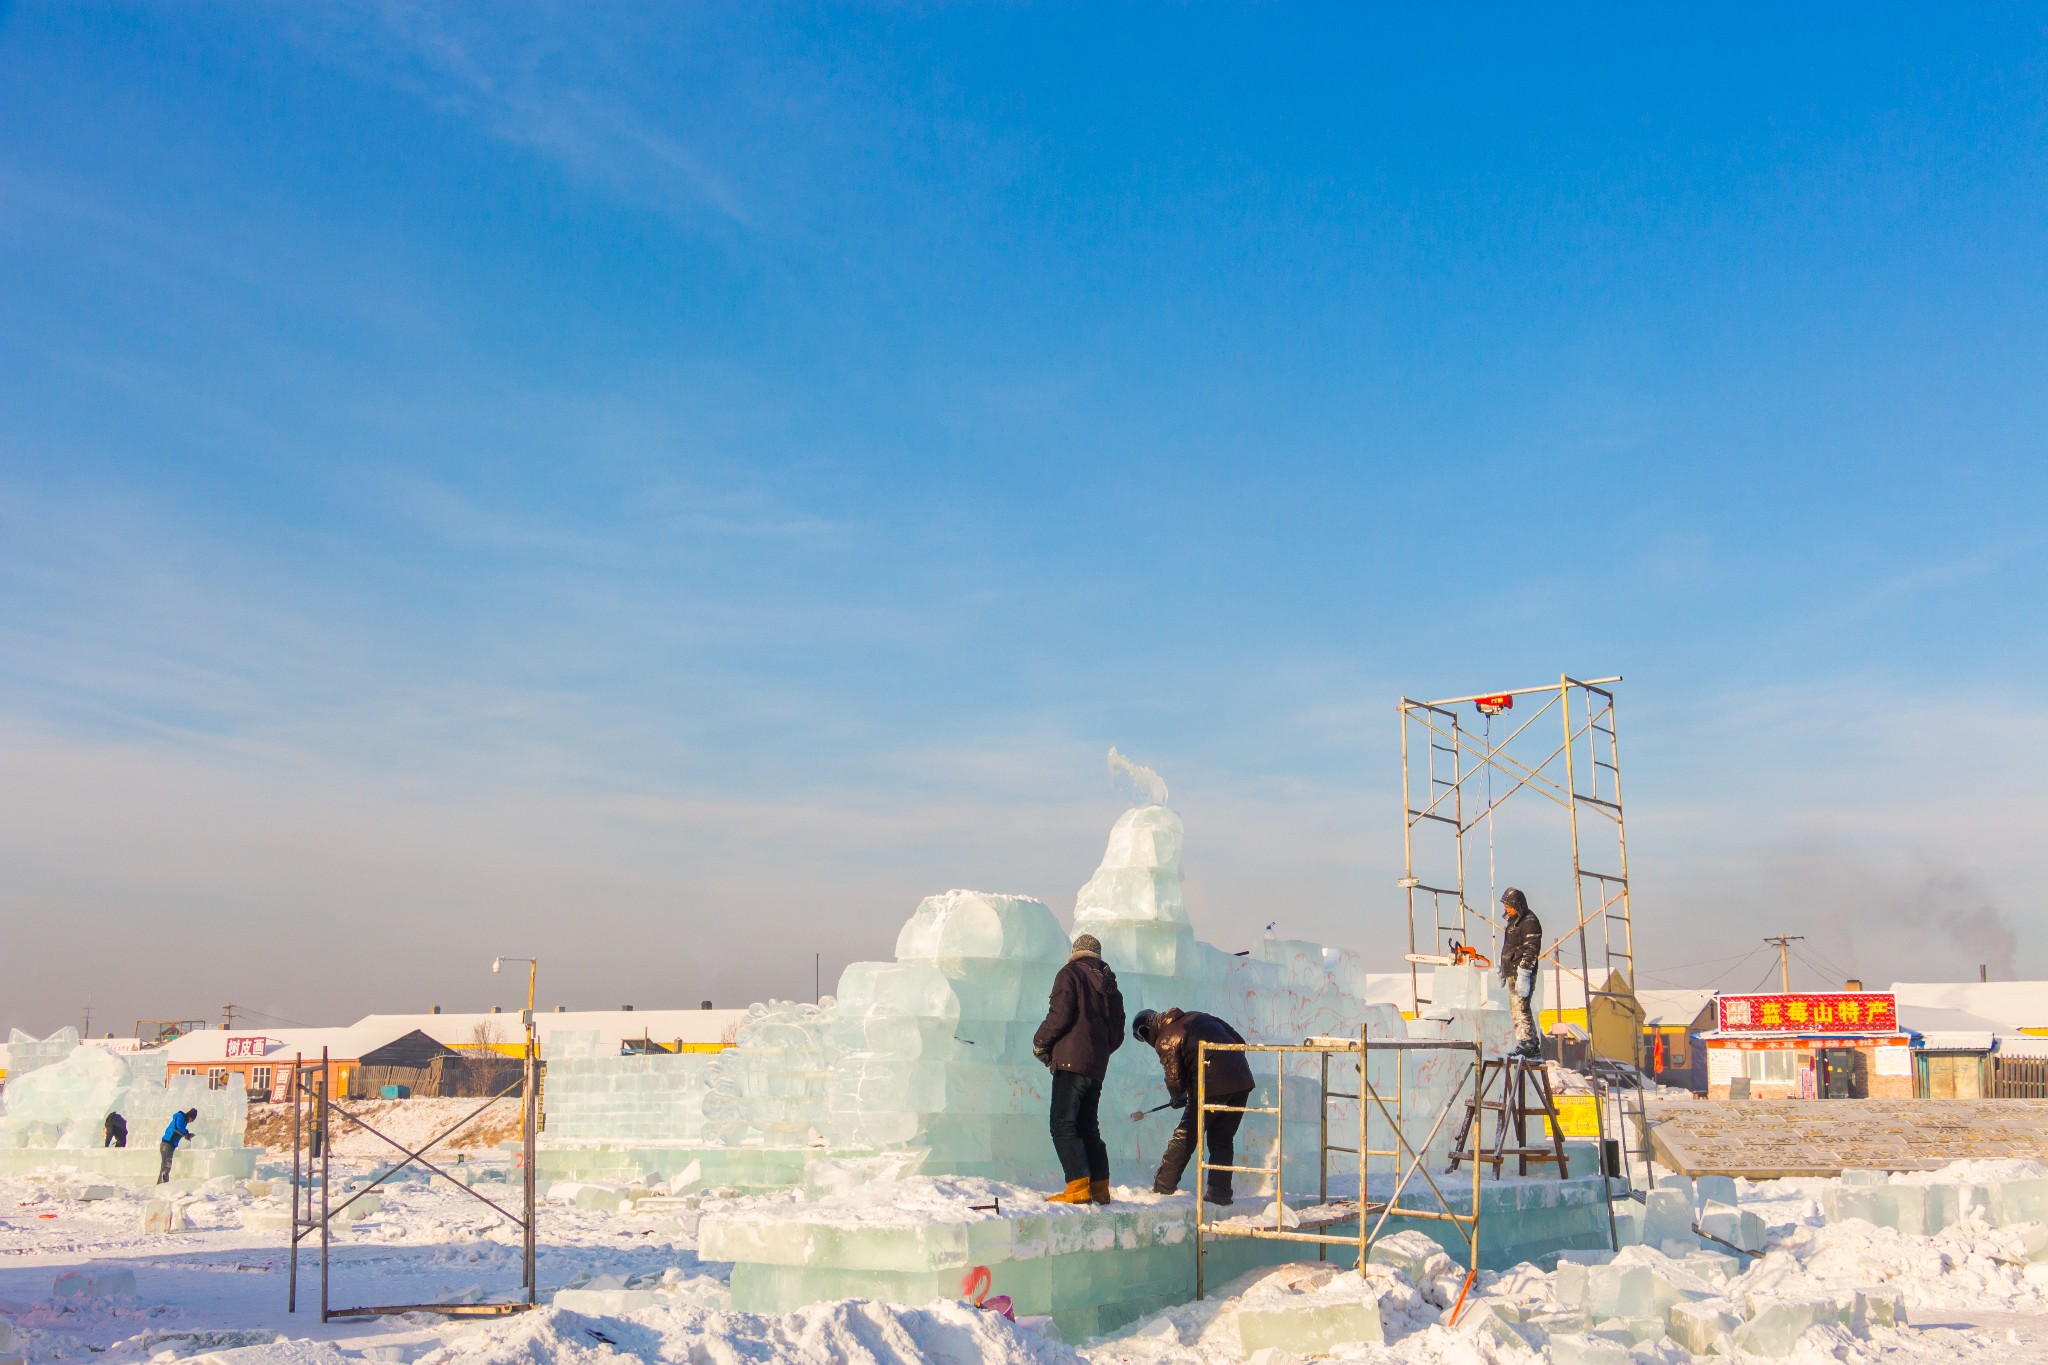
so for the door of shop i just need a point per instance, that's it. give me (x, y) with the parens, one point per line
(1841, 1074)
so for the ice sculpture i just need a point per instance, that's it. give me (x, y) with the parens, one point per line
(929, 1054)
(64, 1098)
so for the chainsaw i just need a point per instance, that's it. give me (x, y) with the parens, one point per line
(1461, 955)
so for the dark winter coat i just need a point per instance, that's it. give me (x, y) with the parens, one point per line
(1178, 1036)
(1523, 945)
(1084, 1021)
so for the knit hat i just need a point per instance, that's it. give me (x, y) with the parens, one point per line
(1086, 945)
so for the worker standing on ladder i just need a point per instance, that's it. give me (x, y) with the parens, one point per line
(1521, 951)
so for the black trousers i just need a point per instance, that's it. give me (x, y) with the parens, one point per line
(116, 1140)
(169, 1149)
(1077, 1126)
(1220, 1129)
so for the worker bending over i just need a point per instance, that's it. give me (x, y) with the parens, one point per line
(1177, 1036)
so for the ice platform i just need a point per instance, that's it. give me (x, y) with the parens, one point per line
(134, 1167)
(1092, 1268)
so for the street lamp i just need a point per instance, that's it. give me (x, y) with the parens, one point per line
(532, 971)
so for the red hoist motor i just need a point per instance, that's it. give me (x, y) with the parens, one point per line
(1494, 705)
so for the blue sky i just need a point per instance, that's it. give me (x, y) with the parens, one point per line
(667, 488)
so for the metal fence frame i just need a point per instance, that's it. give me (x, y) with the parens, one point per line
(1408, 1159)
(315, 1101)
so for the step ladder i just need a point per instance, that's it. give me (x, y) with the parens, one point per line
(1524, 1093)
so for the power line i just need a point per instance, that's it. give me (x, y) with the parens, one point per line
(1704, 962)
(1823, 968)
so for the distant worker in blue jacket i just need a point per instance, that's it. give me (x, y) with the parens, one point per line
(179, 1131)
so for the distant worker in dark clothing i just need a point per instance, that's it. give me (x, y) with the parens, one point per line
(1084, 1023)
(1177, 1036)
(1521, 950)
(117, 1131)
(179, 1131)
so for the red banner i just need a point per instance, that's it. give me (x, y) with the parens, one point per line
(1826, 1012)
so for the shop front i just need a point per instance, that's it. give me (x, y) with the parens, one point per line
(1814, 1045)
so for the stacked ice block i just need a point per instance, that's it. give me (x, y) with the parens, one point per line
(595, 1096)
(930, 1055)
(61, 1105)
(1926, 1204)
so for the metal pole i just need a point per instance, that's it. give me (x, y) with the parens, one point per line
(1201, 1149)
(326, 1185)
(291, 1297)
(1628, 921)
(1408, 865)
(1364, 1161)
(1571, 787)
(1323, 1146)
(1280, 1142)
(530, 1121)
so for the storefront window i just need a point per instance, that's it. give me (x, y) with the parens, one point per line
(1778, 1066)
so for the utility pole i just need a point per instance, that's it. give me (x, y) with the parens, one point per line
(227, 1016)
(88, 1021)
(1784, 943)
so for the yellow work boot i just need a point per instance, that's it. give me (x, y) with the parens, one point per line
(1076, 1192)
(1098, 1191)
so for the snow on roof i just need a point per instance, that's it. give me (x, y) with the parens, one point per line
(1673, 1008)
(2012, 1005)
(1942, 1029)
(211, 1046)
(614, 1026)
(204, 1047)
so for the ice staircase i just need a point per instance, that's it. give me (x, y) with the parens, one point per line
(1515, 1078)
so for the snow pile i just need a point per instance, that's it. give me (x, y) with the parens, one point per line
(853, 1332)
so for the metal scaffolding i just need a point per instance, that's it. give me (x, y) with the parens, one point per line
(1402, 1159)
(313, 1108)
(1447, 794)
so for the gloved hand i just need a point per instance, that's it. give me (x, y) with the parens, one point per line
(1525, 982)
(1044, 1055)
(1177, 1098)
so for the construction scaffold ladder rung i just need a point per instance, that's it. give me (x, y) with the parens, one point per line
(1401, 1161)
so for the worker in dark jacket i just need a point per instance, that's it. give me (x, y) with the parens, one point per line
(117, 1131)
(1177, 1036)
(180, 1130)
(1084, 1023)
(1521, 949)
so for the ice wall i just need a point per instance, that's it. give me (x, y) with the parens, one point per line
(930, 1055)
(63, 1102)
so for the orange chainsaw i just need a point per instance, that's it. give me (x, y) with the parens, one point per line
(1461, 955)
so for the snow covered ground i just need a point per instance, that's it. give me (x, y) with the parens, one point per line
(216, 1289)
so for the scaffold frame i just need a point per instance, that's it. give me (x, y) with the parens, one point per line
(1408, 1159)
(313, 1108)
(1442, 759)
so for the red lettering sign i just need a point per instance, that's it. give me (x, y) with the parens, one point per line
(248, 1047)
(1828, 1012)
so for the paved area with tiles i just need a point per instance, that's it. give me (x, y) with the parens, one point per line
(1765, 1138)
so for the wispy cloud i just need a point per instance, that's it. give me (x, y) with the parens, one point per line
(565, 92)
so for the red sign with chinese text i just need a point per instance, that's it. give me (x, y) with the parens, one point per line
(248, 1047)
(1827, 1012)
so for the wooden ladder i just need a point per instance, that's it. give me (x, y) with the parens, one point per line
(1516, 1077)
